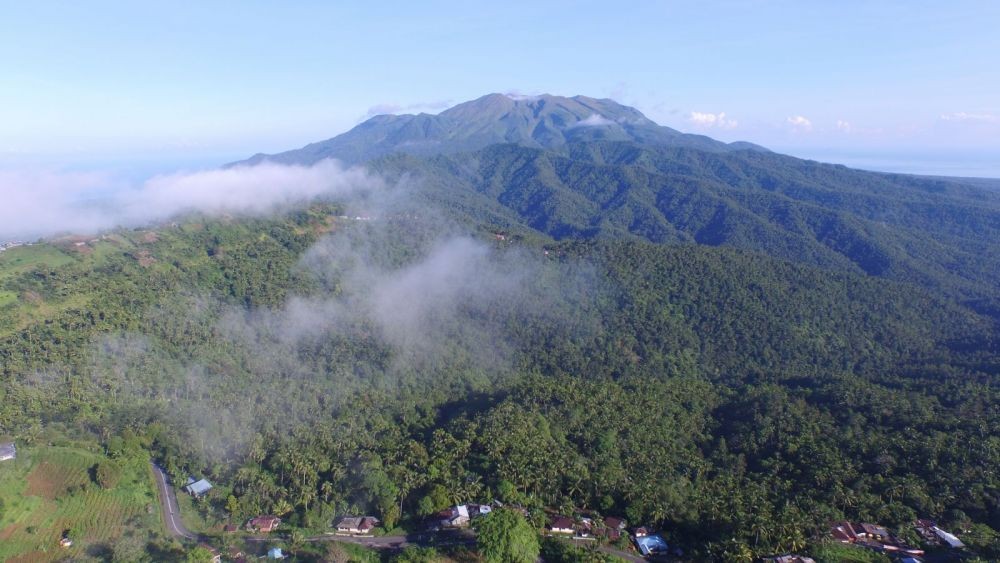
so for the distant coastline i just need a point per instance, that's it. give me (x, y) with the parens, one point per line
(952, 165)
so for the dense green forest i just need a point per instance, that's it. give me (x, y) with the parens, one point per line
(733, 346)
(738, 401)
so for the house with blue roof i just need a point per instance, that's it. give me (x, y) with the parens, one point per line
(651, 544)
(197, 488)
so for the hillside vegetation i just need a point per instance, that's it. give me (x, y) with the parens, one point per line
(733, 346)
(712, 390)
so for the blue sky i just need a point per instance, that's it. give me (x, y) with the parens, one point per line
(913, 83)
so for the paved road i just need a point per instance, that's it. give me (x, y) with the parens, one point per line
(168, 502)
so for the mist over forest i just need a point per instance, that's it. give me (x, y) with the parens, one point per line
(551, 305)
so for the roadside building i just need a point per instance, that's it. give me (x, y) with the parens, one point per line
(455, 517)
(477, 510)
(263, 524)
(948, 538)
(562, 525)
(613, 527)
(357, 525)
(844, 532)
(651, 544)
(7, 451)
(197, 488)
(875, 532)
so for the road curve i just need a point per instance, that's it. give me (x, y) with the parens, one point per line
(168, 504)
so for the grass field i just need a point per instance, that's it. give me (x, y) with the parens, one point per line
(48, 490)
(23, 258)
(21, 308)
(7, 297)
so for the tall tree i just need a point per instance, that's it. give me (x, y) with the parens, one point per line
(505, 536)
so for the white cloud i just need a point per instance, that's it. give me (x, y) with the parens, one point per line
(977, 117)
(389, 108)
(718, 120)
(38, 203)
(844, 126)
(800, 123)
(593, 121)
(520, 97)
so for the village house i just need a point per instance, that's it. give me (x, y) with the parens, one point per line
(875, 532)
(933, 535)
(7, 451)
(613, 527)
(477, 510)
(651, 544)
(357, 525)
(197, 488)
(948, 538)
(844, 532)
(871, 536)
(455, 517)
(562, 525)
(264, 524)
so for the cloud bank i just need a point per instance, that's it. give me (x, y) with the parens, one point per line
(718, 120)
(36, 204)
(976, 117)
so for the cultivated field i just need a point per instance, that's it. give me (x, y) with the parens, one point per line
(48, 490)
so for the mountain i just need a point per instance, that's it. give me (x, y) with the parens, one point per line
(734, 346)
(938, 234)
(545, 121)
(583, 168)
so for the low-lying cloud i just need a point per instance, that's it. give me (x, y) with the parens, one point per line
(36, 204)
(594, 121)
(389, 108)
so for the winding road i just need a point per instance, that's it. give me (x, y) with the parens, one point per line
(168, 503)
(172, 518)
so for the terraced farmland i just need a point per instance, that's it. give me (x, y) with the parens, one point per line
(49, 490)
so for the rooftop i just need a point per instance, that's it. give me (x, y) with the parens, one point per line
(199, 487)
(651, 544)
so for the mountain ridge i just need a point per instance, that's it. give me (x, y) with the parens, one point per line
(543, 121)
(587, 168)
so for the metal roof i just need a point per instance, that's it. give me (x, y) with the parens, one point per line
(199, 487)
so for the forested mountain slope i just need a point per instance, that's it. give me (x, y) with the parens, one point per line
(582, 168)
(759, 380)
(736, 346)
(938, 234)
